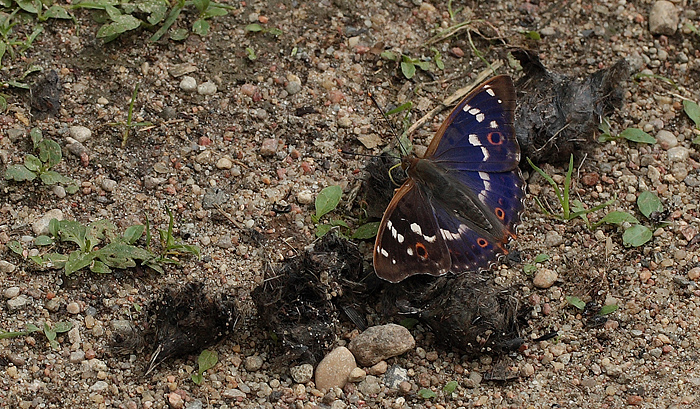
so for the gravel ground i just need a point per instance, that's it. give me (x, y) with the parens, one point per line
(248, 134)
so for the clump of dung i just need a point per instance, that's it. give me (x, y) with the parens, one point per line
(181, 321)
(557, 114)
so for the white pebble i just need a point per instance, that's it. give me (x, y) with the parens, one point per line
(188, 84)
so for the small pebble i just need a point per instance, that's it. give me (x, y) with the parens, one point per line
(269, 147)
(41, 226)
(11, 292)
(188, 84)
(7, 267)
(293, 84)
(302, 373)
(73, 308)
(224, 163)
(207, 88)
(334, 368)
(108, 185)
(545, 278)
(663, 18)
(175, 400)
(253, 363)
(17, 302)
(59, 191)
(79, 133)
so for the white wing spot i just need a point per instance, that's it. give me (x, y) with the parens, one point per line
(415, 227)
(448, 235)
(500, 102)
(474, 111)
(485, 152)
(490, 92)
(430, 239)
(409, 250)
(393, 261)
(466, 108)
(474, 140)
(494, 125)
(480, 117)
(487, 185)
(384, 253)
(484, 176)
(399, 238)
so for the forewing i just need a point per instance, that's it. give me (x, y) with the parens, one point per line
(478, 135)
(409, 240)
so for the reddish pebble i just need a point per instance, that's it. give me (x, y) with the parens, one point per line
(534, 299)
(84, 159)
(281, 173)
(457, 52)
(171, 190)
(204, 141)
(295, 154)
(634, 400)
(50, 295)
(546, 309)
(307, 168)
(335, 96)
(175, 401)
(362, 49)
(667, 349)
(263, 19)
(590, 179)
(249, 89)
(90, 354)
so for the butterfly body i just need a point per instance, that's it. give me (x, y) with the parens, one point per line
(461, 202)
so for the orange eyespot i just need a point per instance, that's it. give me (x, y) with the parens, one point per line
(482, 242)
(495, 138)
(500, 213)
(421, 252)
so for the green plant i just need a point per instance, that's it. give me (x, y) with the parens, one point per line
(576, 302)
(635, 234)
(409, 65)
(530, 268)
(326, 201)
(581, 305)
(100, 249)
(426, 393)
(631, 134)
(49, 332)
(206, 360)
(450, 387)
(129, 124)
(250, 52)
(257, 28)
(48, 155)
(532, 35)
(692, 109)
(569, 211)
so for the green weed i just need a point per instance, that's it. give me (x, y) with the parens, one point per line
(48, 154)
(570, 210)
(49, 332)
(409, 65)
(207, 359)
(530, 268)
(326, 201)
(130, 124)
(257, 28)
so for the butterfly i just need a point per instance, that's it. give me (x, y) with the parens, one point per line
(462, 201)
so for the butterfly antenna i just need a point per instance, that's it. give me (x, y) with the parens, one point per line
(403, 149)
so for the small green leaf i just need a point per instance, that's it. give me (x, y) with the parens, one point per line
(33, 328)
(529, 269)
(57, 11)
(339, 223)
(636, 236)
(201, 5)
(649, 203)
(692, 109)
(327, 200)
(607, 309)
(255, 27)
(32, 163)
(43, 240)
(617, 218)
(322, 229)
(19, 173)
(450, 387)
(389, 55)
(251, 53)
(49, 152)
(197, 378)
(72, 189)
(576, 302)
(63, 326)
(100, 267)
(275, 31)
(408, 323)
(215, 11)
(133, 233)
(366, 231)
(206, 360)
(541, 257)
(637, 135)
(201, 27)
(423, 65)
(532, 35)
(179, 34)
(28, 6)
(36, 136)
(406, 106)
(52, 177)
(77, 260)
(426, 394)
(16, 247)
(408, 69)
